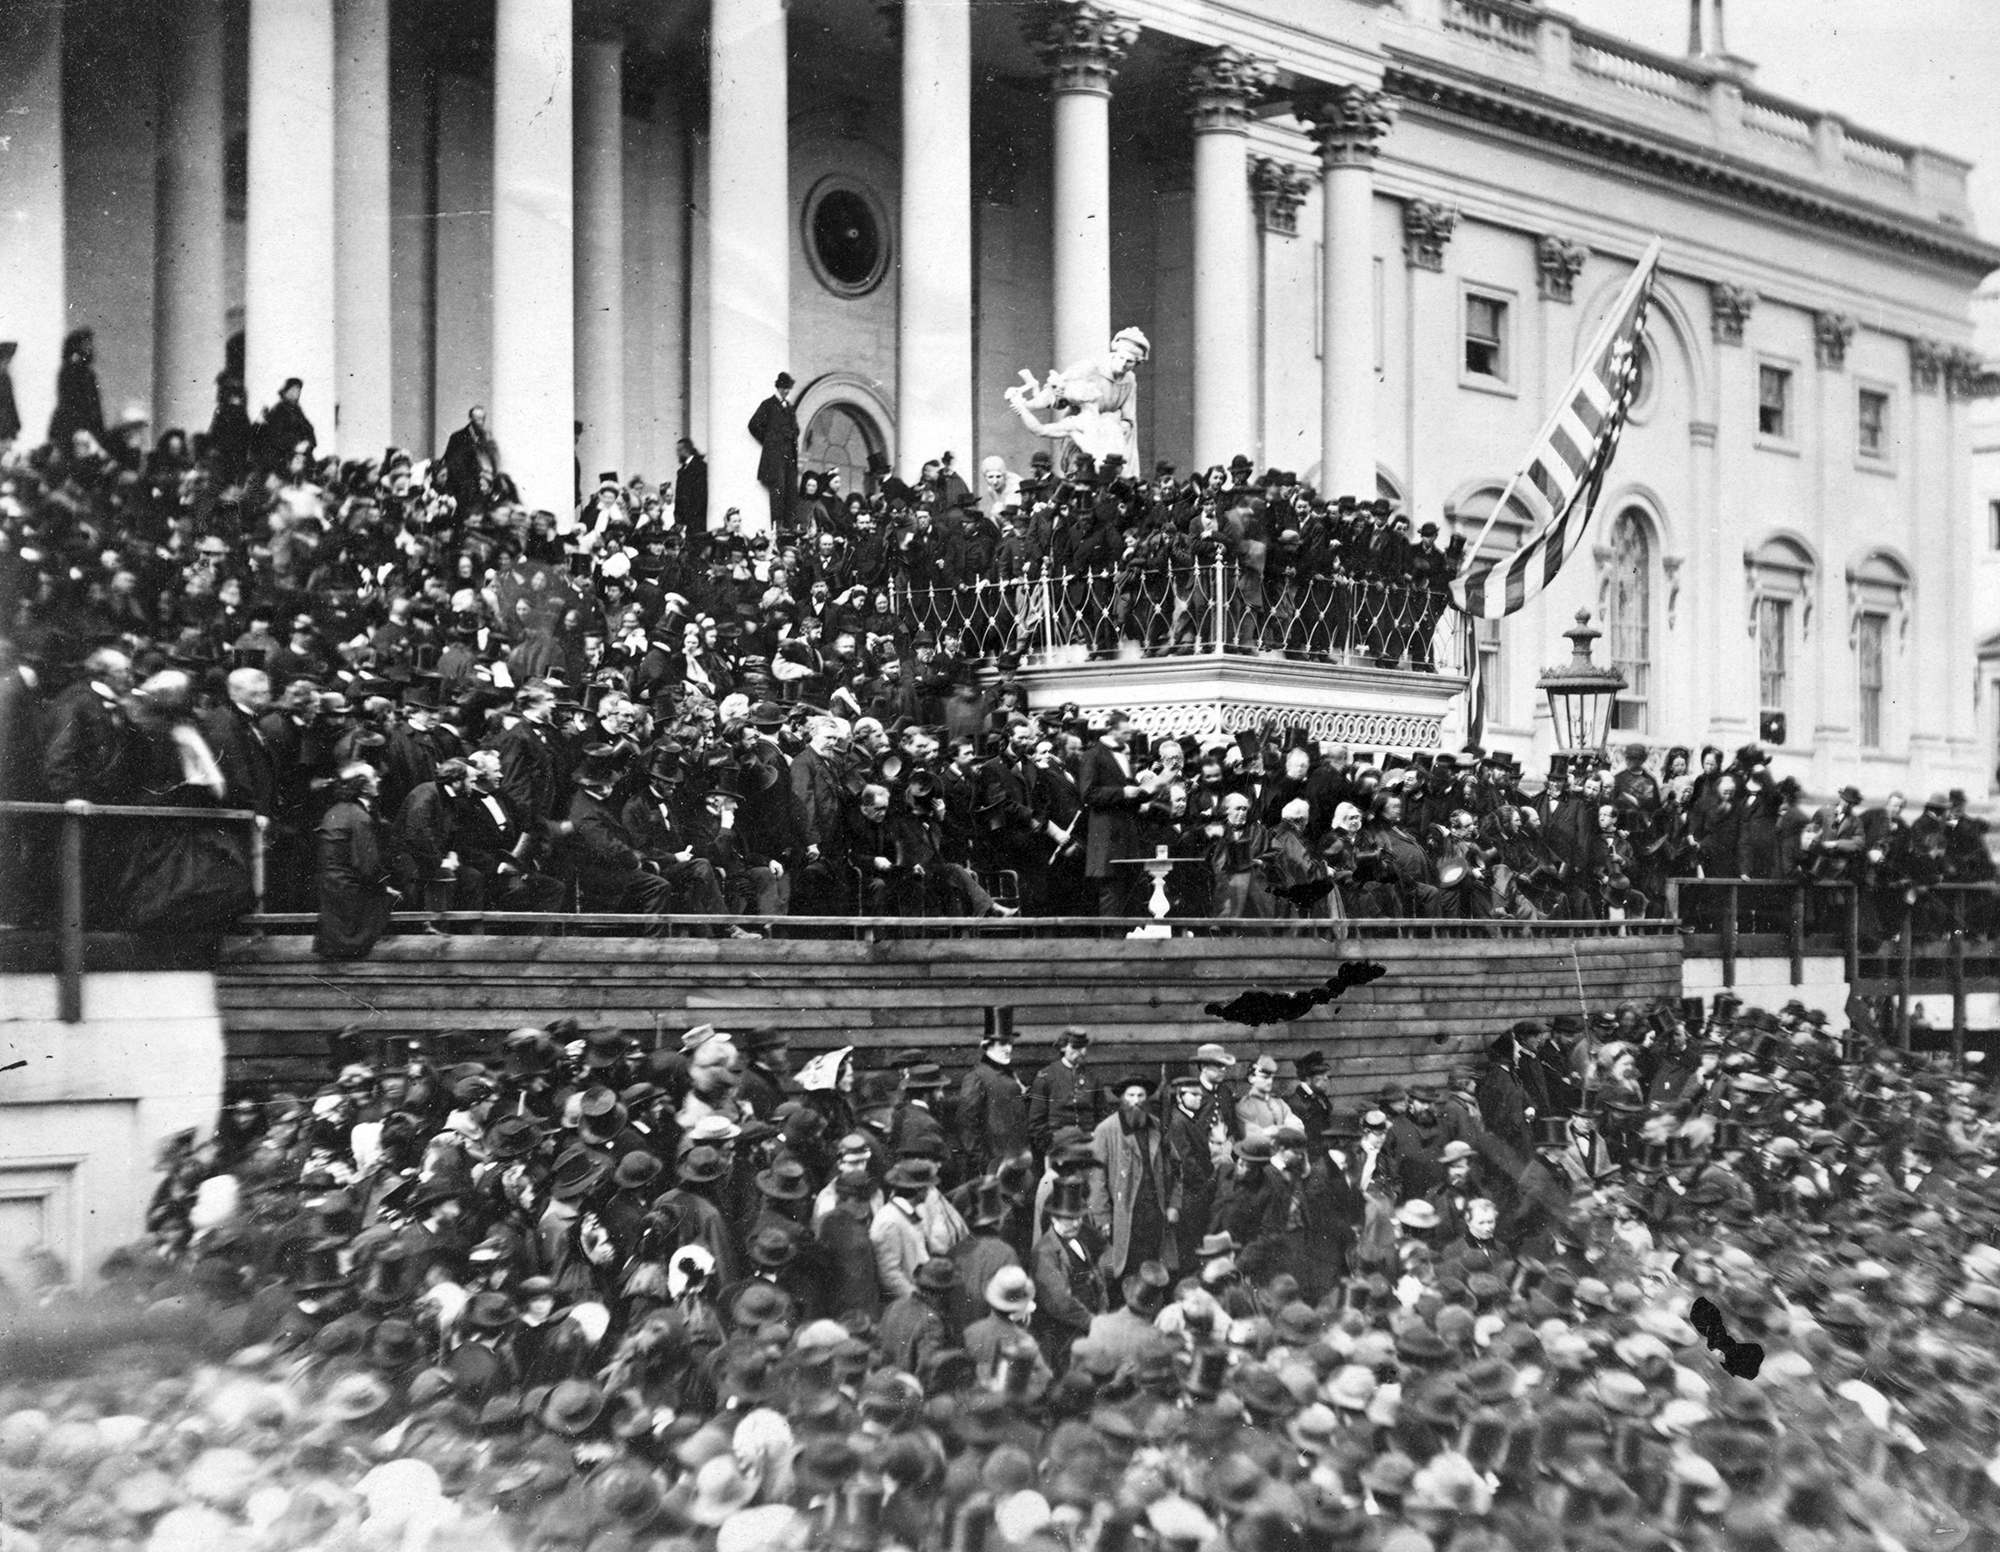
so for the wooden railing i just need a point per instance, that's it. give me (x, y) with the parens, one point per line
(1941, 939)
(71, 913)
(602, 924)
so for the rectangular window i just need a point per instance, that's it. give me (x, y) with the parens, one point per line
(1631, 655)
(1868, 651)
(1872, 423)
(1774, 393)
(1486, 337)
(1993, 524)
(1774, 628)
(1492, 670)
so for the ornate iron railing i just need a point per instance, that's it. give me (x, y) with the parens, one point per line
(1183, 611)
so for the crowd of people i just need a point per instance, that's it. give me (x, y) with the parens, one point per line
(434, 698)
(1639, 1283)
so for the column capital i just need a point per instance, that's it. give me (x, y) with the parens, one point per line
(1081, 42)
(1279, 188)
(1347, 121)
(1731, 306)
(1222, 83)
(1831, 332)
(1427, 229)
(1928, 361)
(1967, 376)
(1558, 262)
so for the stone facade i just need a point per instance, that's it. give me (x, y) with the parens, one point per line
(1805, 411)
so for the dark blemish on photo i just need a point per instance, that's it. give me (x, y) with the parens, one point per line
(1742, 1359)
(1258, 1006)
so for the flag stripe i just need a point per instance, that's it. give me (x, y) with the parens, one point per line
(1556, 489)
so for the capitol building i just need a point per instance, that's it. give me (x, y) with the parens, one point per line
(1368, 240)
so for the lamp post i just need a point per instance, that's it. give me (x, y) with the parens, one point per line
(1580, 694)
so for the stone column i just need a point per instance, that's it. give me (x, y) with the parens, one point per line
(934, 302)
(1223, 83)
(1083, 45)
(600, 254)
(534, 329)
(189, 312)
(364, 321)
(1348, 122)
(289, 238)
(750, 243)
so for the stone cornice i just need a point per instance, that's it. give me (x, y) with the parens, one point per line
(1423, 86)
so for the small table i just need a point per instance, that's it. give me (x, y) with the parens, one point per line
(1157, 866)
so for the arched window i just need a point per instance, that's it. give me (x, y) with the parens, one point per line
(1628, 621)
(840, 436)
(1780, 577)
(1878, 593)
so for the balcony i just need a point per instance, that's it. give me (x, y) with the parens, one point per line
(1211, 650)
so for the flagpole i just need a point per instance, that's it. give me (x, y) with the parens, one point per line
(1597, 344)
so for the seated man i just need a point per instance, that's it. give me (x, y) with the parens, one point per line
(954, 888)
(752, 882)
(611, 872)
(651, 816)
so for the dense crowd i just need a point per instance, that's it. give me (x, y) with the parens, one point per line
(585, 1295)
(436, 698)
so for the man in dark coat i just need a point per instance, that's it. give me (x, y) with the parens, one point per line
(229, 430)
(528, 756)
(1111, 790)
(992, 1104)
(238, 744)
(93, 751)
(79, 406)
(355, 896)
(471, 464)
(919, 1325)
(498, 845)
(612, 874)
(775, 425)
(1335, 1208)
(1064, 1093)
(1503, 1099)
(286, 429)
(1250, 1204)
(1069, 1289)
(691, 489)
(1542, 1197)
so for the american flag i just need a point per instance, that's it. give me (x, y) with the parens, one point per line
(1556, 489)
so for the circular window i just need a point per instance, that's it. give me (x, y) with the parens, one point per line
(847, 237)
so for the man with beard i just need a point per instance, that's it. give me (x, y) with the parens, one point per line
(992, 1102)
(1137, 1194)
(1418, 1132)
(654, 817)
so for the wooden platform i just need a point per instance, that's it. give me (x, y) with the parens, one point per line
(1143, 1000)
